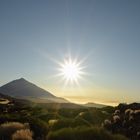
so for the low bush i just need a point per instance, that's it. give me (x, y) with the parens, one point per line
(83, 133)
(23, 134)
(8, 128)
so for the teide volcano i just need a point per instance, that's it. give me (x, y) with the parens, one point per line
(23, 89)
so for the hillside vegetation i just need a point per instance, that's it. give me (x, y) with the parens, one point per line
(24, 120)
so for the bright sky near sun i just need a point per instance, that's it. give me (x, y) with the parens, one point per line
(83, 50)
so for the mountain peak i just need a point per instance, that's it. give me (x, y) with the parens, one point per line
(21, 79)
(22, 88)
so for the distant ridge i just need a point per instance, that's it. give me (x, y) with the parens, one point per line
(23, 89)
(90, 104)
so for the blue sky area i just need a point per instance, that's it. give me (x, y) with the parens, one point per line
(35, 33)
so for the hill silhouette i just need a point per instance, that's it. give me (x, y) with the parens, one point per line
(21, 88)
(90, 104)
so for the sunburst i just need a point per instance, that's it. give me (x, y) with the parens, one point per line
(71, 70)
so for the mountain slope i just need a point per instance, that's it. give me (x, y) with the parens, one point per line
(23, 89)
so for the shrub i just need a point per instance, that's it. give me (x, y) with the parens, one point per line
(128, 111)
(39, 127)
(7, 129)
(117, 112)
(126, 123)
(116, 118)
(107, 124)
(83, 133)
(23, 134)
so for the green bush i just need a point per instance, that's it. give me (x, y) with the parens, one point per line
(59, 124)
(83, 133)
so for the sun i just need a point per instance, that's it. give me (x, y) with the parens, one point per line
(70, 70)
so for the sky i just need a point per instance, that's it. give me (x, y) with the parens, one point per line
(37, 35)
